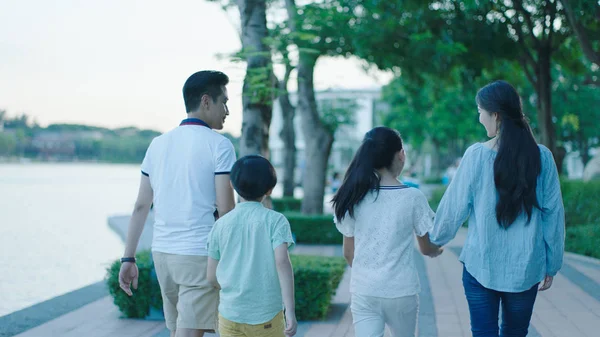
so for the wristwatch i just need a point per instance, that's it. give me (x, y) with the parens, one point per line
(128, 259)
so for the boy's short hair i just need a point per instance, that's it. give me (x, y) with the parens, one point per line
(253, 176)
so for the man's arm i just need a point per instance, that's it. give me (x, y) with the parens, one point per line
(129, 272)
(211, 272)
(225, 200)
(139, 215)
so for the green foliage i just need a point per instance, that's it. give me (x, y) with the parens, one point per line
(8, 144)
(436, 197)
(287, 204)
(146, 295)
(581, 200)
(314, 229)
(316, 280)
(337, 112)
(441, 112)
(75, 141)
(584, 240)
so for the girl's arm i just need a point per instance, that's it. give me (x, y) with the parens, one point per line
(428, 248)
(349, 249)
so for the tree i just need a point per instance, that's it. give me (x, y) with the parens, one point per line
(584, 19)
(528, 32)
(288, 133)
(7, 144)
(442, 113)
(259, 81)
(576, 103)
(280, 41)
(323, 30)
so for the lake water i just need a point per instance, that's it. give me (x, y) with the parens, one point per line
(54, 237)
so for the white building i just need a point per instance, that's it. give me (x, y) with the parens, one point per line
(347, 137)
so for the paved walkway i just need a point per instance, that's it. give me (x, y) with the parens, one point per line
(571, 308)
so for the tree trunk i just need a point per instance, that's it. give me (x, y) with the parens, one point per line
(288, 135)
(318, 141)
(257, 102)
(581, 34)
(544, 113)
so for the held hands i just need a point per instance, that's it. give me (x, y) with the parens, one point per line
(436, 252)
(128, 275)
(547, 283)
(290, 323)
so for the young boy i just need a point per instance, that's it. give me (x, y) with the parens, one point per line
(248, 258)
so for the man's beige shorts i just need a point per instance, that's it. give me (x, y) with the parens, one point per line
(189, 300)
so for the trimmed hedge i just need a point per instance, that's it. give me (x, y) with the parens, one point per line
(314, 228)
(147, 293)
(316, 280)
(582, 201)
(584, 240)
(287, 204)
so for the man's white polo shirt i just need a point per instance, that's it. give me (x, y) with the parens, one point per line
(182, 165)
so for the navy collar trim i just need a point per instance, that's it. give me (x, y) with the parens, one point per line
(397, 187)
(194, 121)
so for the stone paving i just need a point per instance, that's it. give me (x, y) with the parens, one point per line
(571, 308)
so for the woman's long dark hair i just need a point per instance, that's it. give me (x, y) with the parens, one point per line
(376, 151)
(518, 163)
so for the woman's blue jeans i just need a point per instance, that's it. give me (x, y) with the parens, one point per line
(484, 306)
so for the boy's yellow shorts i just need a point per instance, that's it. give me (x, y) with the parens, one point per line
(272, 328)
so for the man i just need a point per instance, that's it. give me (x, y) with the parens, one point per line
(184, 174)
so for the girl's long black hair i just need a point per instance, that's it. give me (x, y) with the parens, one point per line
(518, 163)
(376, 151)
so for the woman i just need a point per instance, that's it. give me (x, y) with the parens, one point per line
(508, 189)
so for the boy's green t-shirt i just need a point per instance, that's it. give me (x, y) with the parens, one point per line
(244, 242)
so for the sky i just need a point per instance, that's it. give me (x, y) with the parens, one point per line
(117, 63)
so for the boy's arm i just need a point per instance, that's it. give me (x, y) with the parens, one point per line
(211, 272)
(286, 281)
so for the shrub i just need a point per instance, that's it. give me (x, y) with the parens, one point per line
(581, 200)
(316, 281)
(436, 197)
(584, 240)
(287, 204)
(146, 295)
(314, 228)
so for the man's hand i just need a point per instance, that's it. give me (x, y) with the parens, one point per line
(128, 275)
(291, 325)
(547, 283)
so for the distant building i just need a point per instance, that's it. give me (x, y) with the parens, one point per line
(347, 138)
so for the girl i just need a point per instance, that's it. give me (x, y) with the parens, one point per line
(509, 190)
(377, 216)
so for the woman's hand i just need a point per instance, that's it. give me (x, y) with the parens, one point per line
(547, 283)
